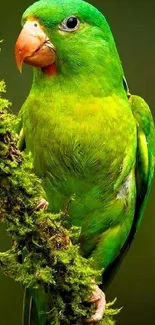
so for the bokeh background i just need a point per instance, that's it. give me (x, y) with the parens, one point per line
(133, 25)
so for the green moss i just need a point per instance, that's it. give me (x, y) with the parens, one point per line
(45, 254)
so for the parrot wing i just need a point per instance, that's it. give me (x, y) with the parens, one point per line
(145, 160)
(145, 163)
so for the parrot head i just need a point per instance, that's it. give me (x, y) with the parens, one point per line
(67, 37)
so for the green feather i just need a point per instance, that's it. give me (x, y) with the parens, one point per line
(92, 146)
(145, 154)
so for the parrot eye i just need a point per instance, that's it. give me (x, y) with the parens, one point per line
(70, 24)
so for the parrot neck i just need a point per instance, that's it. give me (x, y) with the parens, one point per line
(94, 83)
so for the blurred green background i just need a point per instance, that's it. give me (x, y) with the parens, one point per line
(133, 25)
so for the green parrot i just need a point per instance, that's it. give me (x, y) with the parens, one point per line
(92, 142)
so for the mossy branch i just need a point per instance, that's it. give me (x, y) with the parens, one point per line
(45, 253)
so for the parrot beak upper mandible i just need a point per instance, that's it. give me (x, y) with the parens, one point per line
(34, 47)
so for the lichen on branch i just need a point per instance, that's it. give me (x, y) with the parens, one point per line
(45, 252)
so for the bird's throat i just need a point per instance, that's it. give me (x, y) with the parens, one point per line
(50, 69)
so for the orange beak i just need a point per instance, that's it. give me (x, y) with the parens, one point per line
(33, 47)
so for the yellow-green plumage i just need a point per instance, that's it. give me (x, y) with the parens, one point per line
(93, 144)
(81, 160)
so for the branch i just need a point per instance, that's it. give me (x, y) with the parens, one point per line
(45, 252)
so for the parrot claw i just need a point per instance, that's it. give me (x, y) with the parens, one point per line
(42, 204)
(99, 300)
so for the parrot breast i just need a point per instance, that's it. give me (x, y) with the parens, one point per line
(79, 147)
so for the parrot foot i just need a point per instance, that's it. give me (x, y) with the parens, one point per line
(42, 204)
(99, 300)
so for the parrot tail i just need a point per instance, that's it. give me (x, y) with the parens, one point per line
(33, 308)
